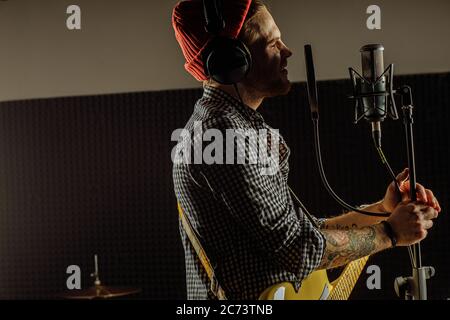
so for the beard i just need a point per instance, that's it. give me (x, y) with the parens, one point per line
(280, 87)
(269, 89)
(268, 83)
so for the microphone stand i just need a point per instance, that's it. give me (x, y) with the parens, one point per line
(415, 286)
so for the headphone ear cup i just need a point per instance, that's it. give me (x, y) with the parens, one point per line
(227, 60)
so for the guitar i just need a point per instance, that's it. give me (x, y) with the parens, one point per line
(317, 286)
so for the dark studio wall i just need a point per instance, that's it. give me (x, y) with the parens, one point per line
(92, 175)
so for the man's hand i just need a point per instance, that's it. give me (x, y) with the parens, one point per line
(410, 222)
(392, 198)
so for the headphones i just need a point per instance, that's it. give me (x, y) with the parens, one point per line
(226, 60)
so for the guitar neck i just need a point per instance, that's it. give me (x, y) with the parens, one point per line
(343, 286)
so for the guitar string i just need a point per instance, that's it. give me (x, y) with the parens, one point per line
(347, 280)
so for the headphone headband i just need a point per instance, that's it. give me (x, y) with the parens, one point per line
(225, 60)
(213, 16)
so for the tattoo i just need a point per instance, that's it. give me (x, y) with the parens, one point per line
(344, 246)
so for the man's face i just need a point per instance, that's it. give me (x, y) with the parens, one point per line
(268, 76)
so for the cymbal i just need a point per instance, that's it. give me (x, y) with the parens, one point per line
(100, 292)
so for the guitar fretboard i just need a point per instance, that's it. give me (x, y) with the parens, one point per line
(343, 286)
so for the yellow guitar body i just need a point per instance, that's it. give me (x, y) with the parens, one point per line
(317, 286)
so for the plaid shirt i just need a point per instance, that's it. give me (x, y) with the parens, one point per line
(247, 223)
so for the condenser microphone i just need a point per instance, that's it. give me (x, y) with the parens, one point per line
(372, 68)
(373, 90)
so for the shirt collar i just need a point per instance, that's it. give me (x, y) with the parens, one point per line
(213, 93)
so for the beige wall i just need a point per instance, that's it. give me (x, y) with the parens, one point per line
(129, 45)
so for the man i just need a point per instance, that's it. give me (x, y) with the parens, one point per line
(246, 221)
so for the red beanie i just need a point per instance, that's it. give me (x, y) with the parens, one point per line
(188, 22)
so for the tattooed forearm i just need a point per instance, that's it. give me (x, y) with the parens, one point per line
(344, 246)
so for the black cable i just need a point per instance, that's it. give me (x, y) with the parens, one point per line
(389, 169)
(309, 215)
(325, 181)
(237, 92)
